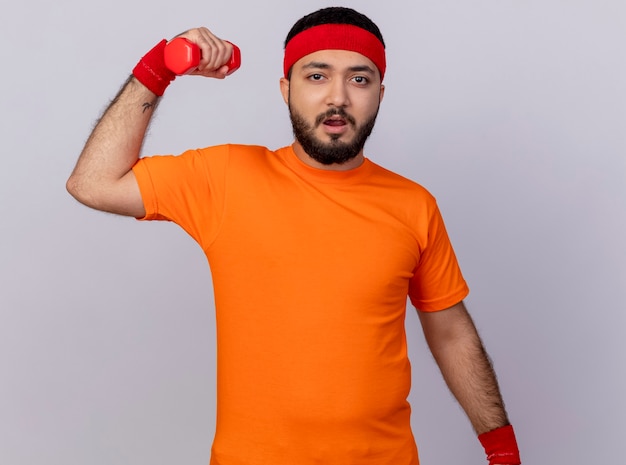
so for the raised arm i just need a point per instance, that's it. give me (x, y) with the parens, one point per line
(467, 370)
(103, 177)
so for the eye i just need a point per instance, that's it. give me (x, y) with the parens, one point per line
(316, 77)
(361, 80)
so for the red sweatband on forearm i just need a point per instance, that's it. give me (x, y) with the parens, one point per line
(152, 72)
(500, 446)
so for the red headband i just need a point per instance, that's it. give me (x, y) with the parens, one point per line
(335, 37)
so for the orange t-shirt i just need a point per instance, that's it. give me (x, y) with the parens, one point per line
(311, 272)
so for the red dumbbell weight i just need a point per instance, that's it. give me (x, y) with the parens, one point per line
(182, 56)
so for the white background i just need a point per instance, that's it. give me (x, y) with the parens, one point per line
(513, 113)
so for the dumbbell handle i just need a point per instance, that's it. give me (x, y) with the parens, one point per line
(183, 56)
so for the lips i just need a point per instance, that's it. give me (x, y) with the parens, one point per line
(335, 121)
(335, 117)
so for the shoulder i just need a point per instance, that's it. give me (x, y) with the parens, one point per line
(234, 150)
(404, 186)
(237, 154)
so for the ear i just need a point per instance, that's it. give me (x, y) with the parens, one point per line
(284, 89)
(382, 93)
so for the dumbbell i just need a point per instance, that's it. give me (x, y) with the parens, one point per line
(183, 56)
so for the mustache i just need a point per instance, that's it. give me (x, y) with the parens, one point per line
(335, 112)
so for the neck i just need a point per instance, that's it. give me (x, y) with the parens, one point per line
(308, 160)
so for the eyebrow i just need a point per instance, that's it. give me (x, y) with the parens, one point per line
(322, 65)
(316, 65)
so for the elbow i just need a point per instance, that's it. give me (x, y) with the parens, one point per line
(77, 188)
(72, 185)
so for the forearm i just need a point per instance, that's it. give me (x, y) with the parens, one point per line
(466, 368)
(114, 145)
(469, 374)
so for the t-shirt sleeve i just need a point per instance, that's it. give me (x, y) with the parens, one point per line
(186, 189)
(437, 283)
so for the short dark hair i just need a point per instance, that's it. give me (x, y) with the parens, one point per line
(334, 15)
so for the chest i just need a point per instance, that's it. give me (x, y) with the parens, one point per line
(348, 239)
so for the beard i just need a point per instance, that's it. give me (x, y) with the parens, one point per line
(334, 151)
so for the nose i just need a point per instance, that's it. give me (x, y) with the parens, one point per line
(338, 94)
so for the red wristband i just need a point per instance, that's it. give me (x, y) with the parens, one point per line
(152, 72)
(500, 446)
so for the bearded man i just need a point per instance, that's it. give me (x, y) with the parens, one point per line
(313, 250)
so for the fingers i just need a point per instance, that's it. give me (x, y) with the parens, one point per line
(215, 52)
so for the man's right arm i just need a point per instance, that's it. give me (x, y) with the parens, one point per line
(103, 178)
